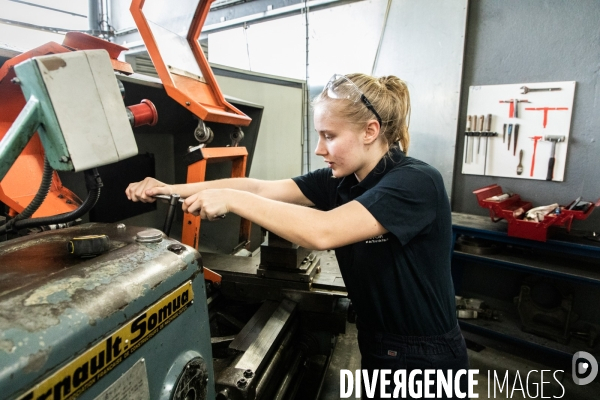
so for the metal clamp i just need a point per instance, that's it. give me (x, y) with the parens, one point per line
(236, 137)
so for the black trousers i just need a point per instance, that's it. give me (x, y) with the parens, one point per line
(384, 351)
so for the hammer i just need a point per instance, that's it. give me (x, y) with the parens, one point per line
(554, 140)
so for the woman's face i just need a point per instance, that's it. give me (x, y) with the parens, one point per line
(340, 143)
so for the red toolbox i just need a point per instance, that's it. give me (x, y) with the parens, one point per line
(513, 210)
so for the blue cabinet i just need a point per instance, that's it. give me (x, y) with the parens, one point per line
(562, 275)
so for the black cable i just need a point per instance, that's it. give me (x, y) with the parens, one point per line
(93, 184)
(37, 201)
(88, 204)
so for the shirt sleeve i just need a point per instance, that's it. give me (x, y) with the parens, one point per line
(405, 202)
(319, 187)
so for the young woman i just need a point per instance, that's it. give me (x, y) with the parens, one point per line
(386, 215)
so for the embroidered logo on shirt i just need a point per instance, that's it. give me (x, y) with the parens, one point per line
(377, 239)
(392, 353)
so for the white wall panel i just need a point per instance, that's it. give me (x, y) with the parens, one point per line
(423, 44)
(278, 149)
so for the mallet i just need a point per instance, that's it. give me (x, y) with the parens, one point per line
(554, 140)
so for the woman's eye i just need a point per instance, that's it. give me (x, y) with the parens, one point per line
(327, 137)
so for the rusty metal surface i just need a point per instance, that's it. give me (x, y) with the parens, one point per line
(52, 304)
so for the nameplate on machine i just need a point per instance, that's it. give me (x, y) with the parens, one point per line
(81, 373)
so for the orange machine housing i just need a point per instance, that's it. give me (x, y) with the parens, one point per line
(205, 100)
(202, 97)
(197, 173)
(22, 181)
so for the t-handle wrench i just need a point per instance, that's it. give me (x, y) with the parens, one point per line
(173, 200)
(168, 197)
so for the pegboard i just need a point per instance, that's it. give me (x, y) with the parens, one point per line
(542, 114)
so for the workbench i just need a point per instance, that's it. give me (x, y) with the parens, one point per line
(572, 259)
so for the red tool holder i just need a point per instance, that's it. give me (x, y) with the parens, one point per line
(513, 210)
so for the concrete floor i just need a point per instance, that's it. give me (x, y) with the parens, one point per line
(488, 360)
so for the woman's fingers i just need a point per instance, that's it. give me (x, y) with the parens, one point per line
(145, 190)
(153, 191)
(207, 204)
(135, 190)
(191, 205)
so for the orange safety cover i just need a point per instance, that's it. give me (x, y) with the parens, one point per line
(201, 95)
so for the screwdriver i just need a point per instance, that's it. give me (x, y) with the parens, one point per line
(516, 138)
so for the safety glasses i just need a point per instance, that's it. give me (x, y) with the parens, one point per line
(340, 87)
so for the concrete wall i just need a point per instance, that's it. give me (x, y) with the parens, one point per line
(513, 41)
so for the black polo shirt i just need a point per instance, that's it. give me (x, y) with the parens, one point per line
(399, 282)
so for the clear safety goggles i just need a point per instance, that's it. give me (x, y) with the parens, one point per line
(340, 87)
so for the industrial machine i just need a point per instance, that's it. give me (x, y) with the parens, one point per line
(106, 310)
(69, 320)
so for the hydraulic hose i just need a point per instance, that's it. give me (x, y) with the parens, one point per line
(88, 204)
(37, 201)
(93, 184)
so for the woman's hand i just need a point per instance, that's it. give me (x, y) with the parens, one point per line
(145, 190)
(211, 204)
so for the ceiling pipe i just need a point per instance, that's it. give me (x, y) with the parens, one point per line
(94, 17)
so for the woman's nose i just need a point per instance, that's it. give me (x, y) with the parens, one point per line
(320, 150)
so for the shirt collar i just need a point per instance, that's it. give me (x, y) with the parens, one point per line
(390, 159)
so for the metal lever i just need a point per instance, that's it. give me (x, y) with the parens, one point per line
(168, 198)
(173, 200)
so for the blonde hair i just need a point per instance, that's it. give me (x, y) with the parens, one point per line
(390, 98)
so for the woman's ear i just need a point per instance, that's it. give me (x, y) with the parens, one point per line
(371, 132)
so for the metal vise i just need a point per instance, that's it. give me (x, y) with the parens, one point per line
(282, 259)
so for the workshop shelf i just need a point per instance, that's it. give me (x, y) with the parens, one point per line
(569, 260)
(582, 271)
(574, 244)
(509, 328)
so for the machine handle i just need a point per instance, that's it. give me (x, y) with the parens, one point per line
(173, 200)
